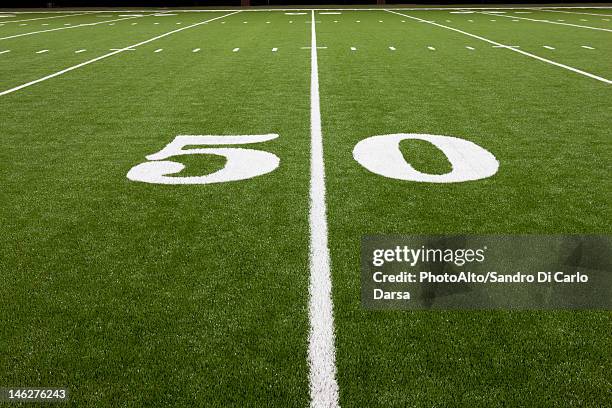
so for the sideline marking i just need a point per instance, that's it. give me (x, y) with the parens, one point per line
(110, 54)
(514, 49)
(536, 8)
(65, 28)
(576, 12)
(45, 18)
(548, 21)
(321, 352)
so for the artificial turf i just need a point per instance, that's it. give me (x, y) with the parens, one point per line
(139, 294)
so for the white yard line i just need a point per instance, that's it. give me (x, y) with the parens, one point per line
(321, 349)
(547, 21)
(45, 18)
(67, 28)
(513, 49)
(110, 54)
(576, 12)
(317, 9)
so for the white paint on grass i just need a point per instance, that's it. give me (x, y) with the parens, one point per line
(353, 49)
(382, 155)
(548, 47)
(118, 51)
(295, 14)
(588, 47)
(392, 48)
(158, 50)
(236, 50)
(470, 48)
(431, 48)
(241, 163)
(321, 349)
(513, 49)
(42, 51)
(80, 51)
(5, 51)
(576, 12)
(552, 22)
(331, 12)
(40, 18)
(196, 50)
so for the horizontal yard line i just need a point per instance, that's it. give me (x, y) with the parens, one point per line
(91, 61)
(66, 28)
(537, 8)
(577, 12)
(45, 18)
(547, 21)
(528, 54)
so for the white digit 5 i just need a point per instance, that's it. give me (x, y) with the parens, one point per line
(241, 163)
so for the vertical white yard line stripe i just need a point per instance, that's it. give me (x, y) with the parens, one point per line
(547, 21)
(67, 28)
(321, 351)
(110, 54)
(513, 49)
(45, 18)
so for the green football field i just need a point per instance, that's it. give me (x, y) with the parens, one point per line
(225, 270)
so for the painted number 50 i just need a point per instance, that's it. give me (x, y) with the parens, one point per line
(379, 154)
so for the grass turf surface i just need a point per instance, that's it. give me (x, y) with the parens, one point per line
(130, 293)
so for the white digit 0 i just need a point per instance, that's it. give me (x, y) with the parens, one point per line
(382, 155)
